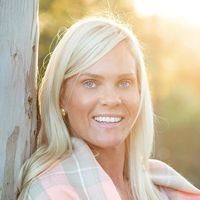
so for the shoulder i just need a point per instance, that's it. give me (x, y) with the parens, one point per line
(68, 178)
(174, 194)
(53, 184)
(77, 177)
(57, 181)
(61, 192)
(170, 182)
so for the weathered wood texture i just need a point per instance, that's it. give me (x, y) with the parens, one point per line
(18, 69)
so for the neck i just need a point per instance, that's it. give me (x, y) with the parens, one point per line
(112, 161)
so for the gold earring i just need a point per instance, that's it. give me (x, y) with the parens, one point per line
(63, 112)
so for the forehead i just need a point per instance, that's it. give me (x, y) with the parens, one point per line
(118, 61)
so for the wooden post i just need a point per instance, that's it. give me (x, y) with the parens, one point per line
(18, 72)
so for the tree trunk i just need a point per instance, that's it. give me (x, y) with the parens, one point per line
(18, 72)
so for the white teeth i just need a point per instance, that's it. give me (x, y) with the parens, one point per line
(108, 119)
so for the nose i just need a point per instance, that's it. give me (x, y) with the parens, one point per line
(110, 97)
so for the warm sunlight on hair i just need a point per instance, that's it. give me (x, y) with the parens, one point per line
(180, 10)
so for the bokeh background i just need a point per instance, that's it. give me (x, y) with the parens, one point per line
(169, 33)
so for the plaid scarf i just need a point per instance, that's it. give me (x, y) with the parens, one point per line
(80, 177)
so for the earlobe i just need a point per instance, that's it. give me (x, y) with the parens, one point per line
(62, 107)
(63, 112)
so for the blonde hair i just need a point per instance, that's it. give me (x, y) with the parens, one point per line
(82, 45)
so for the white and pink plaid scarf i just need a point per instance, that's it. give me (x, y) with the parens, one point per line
(80, 177)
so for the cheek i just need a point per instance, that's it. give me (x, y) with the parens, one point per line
(81, 104)
(132, 103)
(79, 109)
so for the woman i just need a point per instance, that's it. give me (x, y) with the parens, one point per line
(97, 129)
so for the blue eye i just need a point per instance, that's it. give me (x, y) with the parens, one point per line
(89, 84)
(125, 84)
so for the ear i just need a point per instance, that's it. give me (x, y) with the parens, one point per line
(61, 98)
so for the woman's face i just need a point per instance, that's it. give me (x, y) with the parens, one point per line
(102, 101)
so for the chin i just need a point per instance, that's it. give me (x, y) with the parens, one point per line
(110, 143)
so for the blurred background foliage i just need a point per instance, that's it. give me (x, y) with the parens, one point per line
(171, 50)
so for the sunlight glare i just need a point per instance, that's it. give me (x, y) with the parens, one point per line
(181, 10)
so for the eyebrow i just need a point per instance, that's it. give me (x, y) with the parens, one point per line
(126, 75)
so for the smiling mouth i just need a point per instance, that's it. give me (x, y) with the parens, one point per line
(106, 119)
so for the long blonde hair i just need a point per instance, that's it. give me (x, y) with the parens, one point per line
(82, 45)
